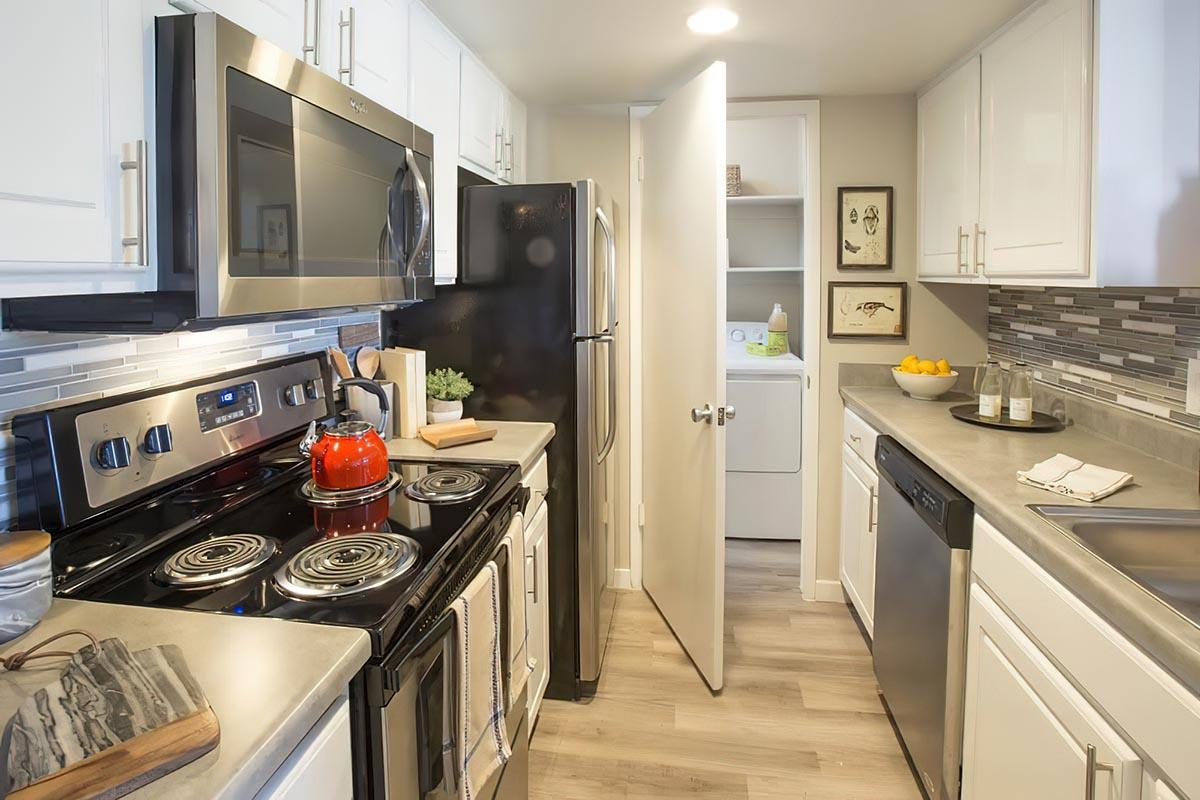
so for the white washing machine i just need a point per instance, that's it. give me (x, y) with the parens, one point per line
(763, 485)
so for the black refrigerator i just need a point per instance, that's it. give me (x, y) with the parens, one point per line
(532, 322)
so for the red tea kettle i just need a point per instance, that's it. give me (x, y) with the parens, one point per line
(349, 455)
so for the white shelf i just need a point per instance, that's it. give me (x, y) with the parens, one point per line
(766, 200)
(766, 269)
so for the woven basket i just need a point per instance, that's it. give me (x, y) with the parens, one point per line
(733, 180)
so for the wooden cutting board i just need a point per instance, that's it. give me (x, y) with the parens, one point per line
(112, 723)
(453, 434)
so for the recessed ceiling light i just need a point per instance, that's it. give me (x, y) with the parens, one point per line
(712, 20)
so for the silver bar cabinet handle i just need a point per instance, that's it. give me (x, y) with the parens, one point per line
(346, 22)
(499, 152)
(534, 591)
(1093, 766)
(315, 47)
(508, 166)
(980, 241)
(133, 156)
(962, 248)
(872, 523)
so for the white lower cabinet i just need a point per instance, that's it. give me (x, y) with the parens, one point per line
(321, 766)
(860, 492)
(537, 606)
(1059, 703)
(1028, 732)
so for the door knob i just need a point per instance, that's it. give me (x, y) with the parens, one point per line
(703, 414)
(730, 412)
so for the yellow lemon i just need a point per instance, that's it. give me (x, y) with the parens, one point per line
(927, 367)
(910, 368)
(943, 367)
(909, 359)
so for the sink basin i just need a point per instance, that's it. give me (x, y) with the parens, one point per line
(1158, 549)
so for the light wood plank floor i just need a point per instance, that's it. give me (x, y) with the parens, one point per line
(799, 718)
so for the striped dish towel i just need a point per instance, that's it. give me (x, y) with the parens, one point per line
(518, 633)
(481, 704)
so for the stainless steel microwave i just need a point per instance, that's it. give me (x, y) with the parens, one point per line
(279, 190)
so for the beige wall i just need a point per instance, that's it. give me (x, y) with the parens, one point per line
(573, 142)
(872, 141)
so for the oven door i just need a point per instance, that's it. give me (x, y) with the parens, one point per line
(420, 756)
(309, 194)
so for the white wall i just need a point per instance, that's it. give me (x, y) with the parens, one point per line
(871, 140)
(567, 144)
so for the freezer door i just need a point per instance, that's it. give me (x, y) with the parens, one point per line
(595, 415)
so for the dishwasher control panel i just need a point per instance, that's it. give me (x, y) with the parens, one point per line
(939, 504)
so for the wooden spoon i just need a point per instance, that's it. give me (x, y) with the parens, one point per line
(367, 361)
(341, 364)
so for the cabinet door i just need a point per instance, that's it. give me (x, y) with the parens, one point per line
(321, 767)
(1034, 152)
(480, 108)
(1028, 732)
(537, 607)
(279, 21)
(74, 93)
(857, 496)
(516, 135)
(433, 61)
(948, 173)
(373, 48)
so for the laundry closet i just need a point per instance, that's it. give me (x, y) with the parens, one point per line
(765, 186)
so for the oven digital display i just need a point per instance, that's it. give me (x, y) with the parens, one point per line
(227, 405)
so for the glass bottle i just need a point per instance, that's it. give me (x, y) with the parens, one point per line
(1020, 394)
(991, 392)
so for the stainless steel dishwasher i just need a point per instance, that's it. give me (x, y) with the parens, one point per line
(922, 570)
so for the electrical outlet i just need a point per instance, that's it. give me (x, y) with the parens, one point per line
(1193, 386)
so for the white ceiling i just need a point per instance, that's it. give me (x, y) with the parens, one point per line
(611, 51)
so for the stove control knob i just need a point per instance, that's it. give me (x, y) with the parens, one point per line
(294, 394)
(314, 389)
(113, 453)
(158, 440)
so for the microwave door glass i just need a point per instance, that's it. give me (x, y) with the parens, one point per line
(308, 189)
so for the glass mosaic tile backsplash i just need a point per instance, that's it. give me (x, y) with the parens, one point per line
(1129, 347)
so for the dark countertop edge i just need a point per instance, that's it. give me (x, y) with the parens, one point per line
(1166, 637)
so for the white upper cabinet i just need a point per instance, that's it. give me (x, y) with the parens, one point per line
(76, 100)
(1034, 153)
(433, 80)
(285, 23)
(1083, 165)
(516, 139)
(948, 174)
(368, 48)
(481, 109)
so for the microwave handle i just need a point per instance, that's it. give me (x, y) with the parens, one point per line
(426, 211)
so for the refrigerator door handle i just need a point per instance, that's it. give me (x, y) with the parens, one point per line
(610, 267)
(610, 435)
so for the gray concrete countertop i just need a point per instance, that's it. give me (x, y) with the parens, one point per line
(982, 463)
(515, 443)
(268, 681)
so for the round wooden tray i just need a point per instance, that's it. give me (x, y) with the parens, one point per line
(1041, 423)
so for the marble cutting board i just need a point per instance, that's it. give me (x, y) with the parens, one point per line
(115, 720)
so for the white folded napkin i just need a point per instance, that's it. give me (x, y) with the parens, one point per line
(1073, 478)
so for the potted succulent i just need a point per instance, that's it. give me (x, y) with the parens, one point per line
(446, 390)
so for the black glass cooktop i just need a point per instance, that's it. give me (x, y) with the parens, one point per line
(121, 560)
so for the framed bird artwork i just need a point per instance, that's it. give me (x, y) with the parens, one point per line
(860, 310)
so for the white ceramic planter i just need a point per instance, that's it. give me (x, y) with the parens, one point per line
(444, 410)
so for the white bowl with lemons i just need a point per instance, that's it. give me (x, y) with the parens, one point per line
(924, 379)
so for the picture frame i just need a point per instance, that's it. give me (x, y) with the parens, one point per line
(865, 230)
(275, 237)
(868, 310)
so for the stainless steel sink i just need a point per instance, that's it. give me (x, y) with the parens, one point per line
(1158, 549)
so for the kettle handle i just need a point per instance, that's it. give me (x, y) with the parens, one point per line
(374, 388)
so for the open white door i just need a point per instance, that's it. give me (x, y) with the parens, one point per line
(683, 379)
